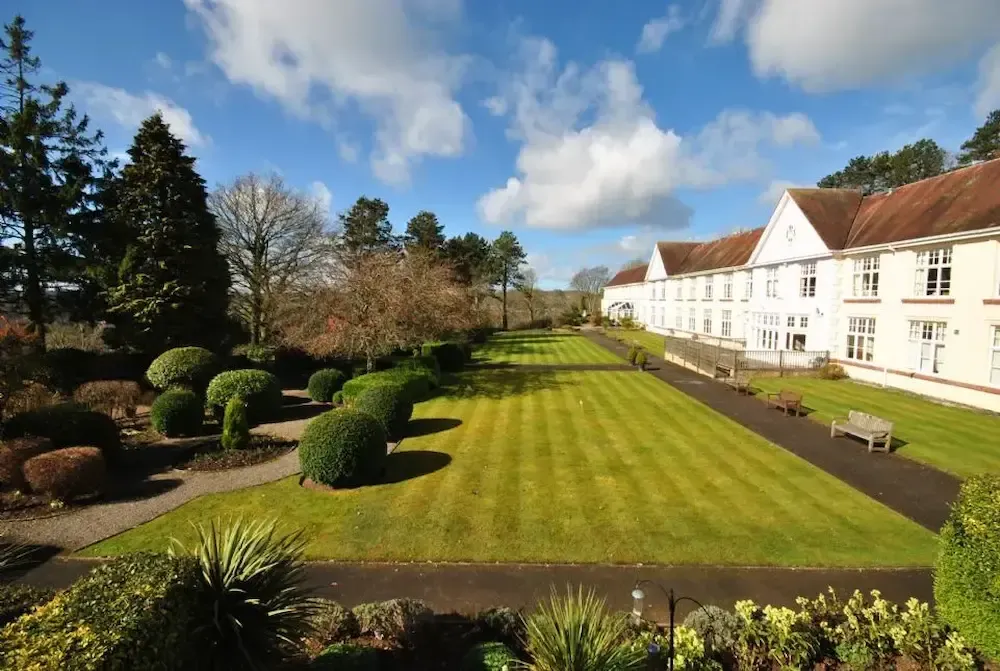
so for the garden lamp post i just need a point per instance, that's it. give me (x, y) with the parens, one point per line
(638, 601)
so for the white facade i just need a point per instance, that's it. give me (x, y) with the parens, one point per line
(922, 314)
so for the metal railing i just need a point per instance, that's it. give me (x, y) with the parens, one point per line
(714, 360)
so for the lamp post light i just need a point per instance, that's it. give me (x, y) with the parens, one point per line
(638, 602)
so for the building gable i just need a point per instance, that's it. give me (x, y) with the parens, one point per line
(655, 270)
(789, 235)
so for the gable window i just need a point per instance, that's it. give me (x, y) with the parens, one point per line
(692, 288)
(995, 357)
(861, 338)
(709, 288)
(807, 280)
(706, 324)
(692, 320)
(933, 276)
(865, 283)
(771, 288)
(727, 286)
(727, 330)
(927, 346)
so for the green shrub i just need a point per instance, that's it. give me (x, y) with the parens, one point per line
(641, 359)
(967, 576)
(190, 367)
(65, 368)
(427, 363)
(389, 404)
(255, 607)
(689, 649)
(135, 612)
(402, 621)
(489, 657)
(337, 398)
(17, 600)
(831, 371)
(332, 623)
(259, 356)
(578, 632)
(68, 425)
(235, 428)
(346, 657)
(258, 388)
(323, 384)
(177, 412)
(451, 356)
(342, 447)
(633, 354)
(418, 383)
(716, 626)
(503, 624)
(774, 636)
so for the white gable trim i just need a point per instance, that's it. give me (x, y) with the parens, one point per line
(771, 223)
(655, 269)
(807, 244)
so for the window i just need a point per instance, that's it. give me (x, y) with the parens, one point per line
(995, 357)
(933, 277)
(709, 288)
(803, 322)
(692, 320)
(927, 346)
(727, 286)
(680, 289)
(652, 291)
(771, 288)
(706, 324)
(807, 280)
(766, 330)
(727, 331)
(861, 338)
(865, 284)
(795, 338)
(790, 322)
(663, 316)
(663, 290)
(679, 319)
(692, 288)
(748, 289)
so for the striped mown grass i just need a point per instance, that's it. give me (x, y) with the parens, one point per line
(958, 440)
(652, 342)
(608, 467)
(544, 347)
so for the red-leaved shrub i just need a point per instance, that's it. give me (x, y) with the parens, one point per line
(67, 473)
(115, 398)
(13, 454)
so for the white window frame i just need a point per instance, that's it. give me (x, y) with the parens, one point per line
(663, 290)
(680, 289)
(748, 286)
(693, 288)
(807, 280)
(994, 364)
(927, 342)
(932, 276)
(727, 286)
(861, 338)
(771, 286)
(679, 319)
(864, 282)
(692, 320)
(706, 322)
(709, 287)
(726, 323)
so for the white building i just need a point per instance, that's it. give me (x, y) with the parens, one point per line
(902, 288)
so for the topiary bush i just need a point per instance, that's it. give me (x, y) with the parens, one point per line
(417, 383)
(503, 624)
(177, 412)
(66, 474)
(451, 356)
(716, 626)
(967, 575)
(342, 447)
(332, 623)
(115, 398)
(337, 398)
(258, 388)
(135, 612)
(323, 384)
(389, 404)
(489, 657)
(426, 363)
(13, 454)
(66, 425)
(346, 657)
(235, 428)
(257, 356)
(190, 367)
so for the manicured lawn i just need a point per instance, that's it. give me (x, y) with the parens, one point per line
(543, 347)
(527, 466)
(957, 440)
(652, 342)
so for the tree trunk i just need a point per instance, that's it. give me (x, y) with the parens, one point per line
(256, 317)
(33, 293)
(504, 318)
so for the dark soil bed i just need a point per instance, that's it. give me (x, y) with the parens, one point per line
(211, 456)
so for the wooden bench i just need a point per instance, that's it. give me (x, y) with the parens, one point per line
(875, 430)
(786, 400)
(740, 382)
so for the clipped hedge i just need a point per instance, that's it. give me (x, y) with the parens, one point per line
(417, 383)
(67, 425)
(489, 657)
(427, 363)
(342, 447)
(967, 579)
(13, 454)
(451, 356)
(177, 412)
(17, 600)
(66, 367)
(346, 657)
(323, 384)
(135, 612)
(389, 404)
(260, 389)
(190, 367)
(67, 474)
(235, 428)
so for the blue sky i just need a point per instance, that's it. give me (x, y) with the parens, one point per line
(589, 128)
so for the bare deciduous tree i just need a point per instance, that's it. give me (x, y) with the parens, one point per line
(528, 286)
(273, 237)
(589, 282)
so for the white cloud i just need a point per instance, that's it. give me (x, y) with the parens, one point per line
(129, 110)
(550, 272)
(775, 190)
(655, 32)
(988, 98)
(347, 150)
(593, 155)
(315, 55)
(822, 45)
(322, 195)
(496, 105)
(163, 60)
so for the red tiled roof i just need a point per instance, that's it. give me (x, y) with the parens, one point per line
(830, 211)
(732, 250)
(672, 254)
(629, 276)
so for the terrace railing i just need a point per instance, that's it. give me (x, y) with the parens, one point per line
(722, 361)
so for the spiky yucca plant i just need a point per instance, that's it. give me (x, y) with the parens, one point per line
(256, 607)
(578, 633)
(13, 555)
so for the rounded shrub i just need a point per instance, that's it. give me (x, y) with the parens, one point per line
(13, 454)
(346, 657)
(66, 425)
(332, 623)
(235, 428)
(323, 384)
(177, 412)
(259, 388)
(389, 404)
(66, 474)
(425, 363)
(337, 398)
(191, 367)
(489, 657)
(342, 447)
(966, 584)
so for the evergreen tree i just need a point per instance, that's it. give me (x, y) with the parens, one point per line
(506, 255)
(365, 228)
(984, 143)
(423, 231)
(884, 171)
(172, 285)
(47, 162)
(469, 256)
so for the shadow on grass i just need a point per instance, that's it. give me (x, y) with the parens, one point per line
(425, 426)
(411, 464)
(501, 383)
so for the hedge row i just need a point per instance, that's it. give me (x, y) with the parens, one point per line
(68, 425)
(416, 383)
(451, 356)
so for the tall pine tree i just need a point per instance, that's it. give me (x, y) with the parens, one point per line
(47, 163)
(365, 228)
(984, 143)
(506, 255)
(173, 283)
(424, 231)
